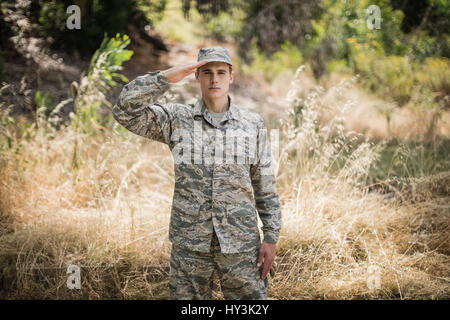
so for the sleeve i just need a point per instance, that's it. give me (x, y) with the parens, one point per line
(263, 182)
(137, 111)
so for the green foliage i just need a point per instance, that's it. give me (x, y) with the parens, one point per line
(208, 8)
(103, 74)
(289, 57)
(153, 10)
(183, 22)
(401, 67)
(435, 75)
(340, 66)
(431, 15)
(401, 78)
(175, 27)
(411, 159)
(348, 19)
(108, 59)
(90, 94)
(97, 17)
(44, 101)
(427, 46)
(226, 25)
(270, 23)
(53, 16)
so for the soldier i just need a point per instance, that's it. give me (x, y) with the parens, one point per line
(213, 223)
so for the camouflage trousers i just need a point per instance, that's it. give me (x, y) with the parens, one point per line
(191, 274)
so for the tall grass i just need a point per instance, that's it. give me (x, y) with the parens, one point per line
(335, 232)
(109, 214)
(106, 215)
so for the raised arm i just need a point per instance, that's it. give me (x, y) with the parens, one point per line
(136, 109)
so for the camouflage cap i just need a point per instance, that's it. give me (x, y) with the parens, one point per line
(214, 54)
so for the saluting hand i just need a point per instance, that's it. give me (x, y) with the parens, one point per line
(178, 73)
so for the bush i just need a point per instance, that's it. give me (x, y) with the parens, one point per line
(400, 77)
(103, 73)
(288, 58)
(435, 74)
(226, 25)
(97, 17)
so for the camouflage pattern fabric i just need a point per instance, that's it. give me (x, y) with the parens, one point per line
(212, 191)
(191, 274)
(214, 54)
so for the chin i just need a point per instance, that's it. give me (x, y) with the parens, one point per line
(214, 95)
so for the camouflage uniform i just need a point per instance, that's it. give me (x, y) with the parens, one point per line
(191, 274)
(210, 197)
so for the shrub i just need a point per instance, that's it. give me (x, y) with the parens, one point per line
(103, 73)
(288, 58)
(97, 17)
(400, 78)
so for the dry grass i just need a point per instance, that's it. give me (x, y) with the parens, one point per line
(333, 235)
(110, 215)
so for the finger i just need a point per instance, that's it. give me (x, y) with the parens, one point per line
(267, 265)
(189, 71)
(192, 68)
(260, 258)
(272, 269)
(195, 65)
(201, 63)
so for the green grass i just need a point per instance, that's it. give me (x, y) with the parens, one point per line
(411, 159)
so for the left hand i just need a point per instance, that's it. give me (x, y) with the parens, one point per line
(267, 253)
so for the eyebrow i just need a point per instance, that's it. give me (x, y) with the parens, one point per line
(211, 70)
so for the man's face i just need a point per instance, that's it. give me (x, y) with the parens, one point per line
(215, 79)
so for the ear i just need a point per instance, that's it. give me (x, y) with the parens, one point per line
(231, 77)
(196, 74)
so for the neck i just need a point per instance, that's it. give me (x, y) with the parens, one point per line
(217, 105)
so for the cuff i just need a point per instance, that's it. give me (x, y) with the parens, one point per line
(160, 78)
(271, 237)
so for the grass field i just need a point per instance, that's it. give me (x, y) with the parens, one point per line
(362, 219)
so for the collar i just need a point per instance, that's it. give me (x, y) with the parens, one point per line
(201, 110)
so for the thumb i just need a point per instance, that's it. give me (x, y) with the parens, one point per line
(260, 256)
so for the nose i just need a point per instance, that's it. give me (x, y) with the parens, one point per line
(214, 78)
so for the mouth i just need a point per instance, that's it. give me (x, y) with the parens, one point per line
(214, 88)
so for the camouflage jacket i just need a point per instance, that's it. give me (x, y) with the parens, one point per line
(214, 190)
